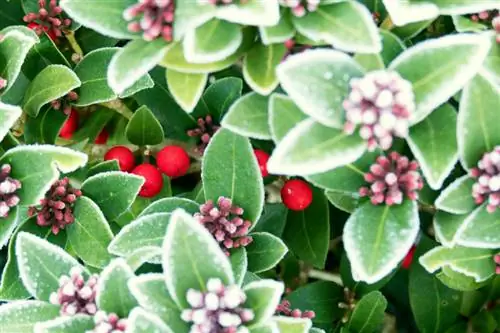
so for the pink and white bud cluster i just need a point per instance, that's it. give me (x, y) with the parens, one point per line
(49, 20)
(56, 208)
(222, 2)
(392, 178)
(64, 102)
(487, 187)
(218, 310)
(152, 17)
(75, 295)
(205, 130)
(108, 323)
(225, 223)
(8, 188)
(284, 309)
(381, 104)
(301, 7)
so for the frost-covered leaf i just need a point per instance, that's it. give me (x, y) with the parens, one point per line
(168, 205)
(239, 263)
(90, 233)
(259, 67)
(446, 226)
(22, 316)
(392, 46)
(270, 327)
(375, 251)
(404, 12)
(347, 25)
(191, 256)
(41, 264)
(220, 95)
(144, 128)
(8, 117)
(67, 324)
(311, 148)
(265, 252)
(439, 68)
(252, 12)
(186, 88)
(457, 197)
(480, 229)
(263, 297)
(248, 116)
(342, 201)
(293, 325)
(368, 315)
(318, 81)
(283, 116)
(105, 166)
(454, 7)
(141, 321)
(52, 83)
(280, 32)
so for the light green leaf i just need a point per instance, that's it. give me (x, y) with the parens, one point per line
(259, 67)
(134, 61)
(446, 226)
(283, 116)
(186, 88)
(454, 7)
(392, 46)
(439, 68)
(404, 12)
(252, 12)
(141, 321)
(144, 128)
(265, 252)
(143, 255)
(263, 297)
(239, 263)
(168, 205)
(464, 24)
(8, 225)
(458, 281)
(293, 325)
(368, 315)
(280, 32)
(480, 229)
(22, 316)
(41, 264)
(311, 148)
(457, 197)
(348, 26)
(73, 324)
(191, 256)
(105, 166)
(8, 117)
(230, 169)
(342, 201)
(248, 116)
(90, 233)
(478, 129)
(266, 328)
(374, 252)
(51, 83)
(318, 82)
(220, 95)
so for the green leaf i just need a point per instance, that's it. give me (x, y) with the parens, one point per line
(457, 197)
(53, 82)
(73, 324)
(168, 205)
(191, 256)
(452, 7)
(270, 327)
(458, 281)
(265, 252)
(141, 321)
(464, 24)
(212, 41)
(143, 128)
(375, 251)
(113, 294)
(253, 12)
(107, 18)
(348, 26)
(345, 202)
(41, 264)
(293, 325)
(134, 61)
(392, 46)
(45, 127)
(273, 219)
(94, 124)
(105, 166)
(90, 40)
(114, 191)
(239, 263)
(248, 116)
(318, 82)
(313, 226)
(368, 315)
(473, 262)
(280, 32)
(439, 68)
(311, 148)
(229, 169)
(219, 96)
(433, 142)
(11, 14)
(405, 12)
(92, 71)
(14, 47)
(22, 316)
(259, 67)
(446, 227)
(478, 130)
(283, 116)
(480, 229)
(8, 117)
(263, 297)
(90, 233)
(186, 88)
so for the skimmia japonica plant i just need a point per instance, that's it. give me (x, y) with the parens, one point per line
(249, 166)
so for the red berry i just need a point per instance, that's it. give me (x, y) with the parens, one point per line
(173, 161)
(262, 158)
(50, 33)
(153, 180)
(102, 138)
(70, 125)
(296, 194)
(123, 155)
(409, 258)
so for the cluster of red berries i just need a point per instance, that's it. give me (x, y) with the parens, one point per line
(173, 161)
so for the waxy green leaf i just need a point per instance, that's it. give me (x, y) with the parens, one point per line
(186, 88)
(259, 67)
(457, 197)
(143, 128)
(368, 315)
(265, 252)
(22, 316)
(9, 114)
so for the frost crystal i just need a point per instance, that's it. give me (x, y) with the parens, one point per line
(75, 295)
(284, 308)
(153, 17)
(218, 310)
(8, 189)
(108, 323)
(205, 130)
(487, 187)
(225, 223)
(381, 104)
(392, 178)
(300, 7)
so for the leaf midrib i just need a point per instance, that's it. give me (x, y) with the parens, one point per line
(378, 238)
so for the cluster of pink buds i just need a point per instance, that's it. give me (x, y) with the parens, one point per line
(218, 310)
(64, 103)
(56, 208)
(205, 130)
(392, 178)
(48, 20)
(222, 2)
(496, 258)
(108, 323)
(8, 189)
(381, 104)
(489, 17)
(154, 18)
(301, 7)
(75, 295)
(487, 173)
(284, 309)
